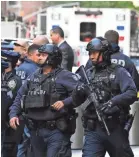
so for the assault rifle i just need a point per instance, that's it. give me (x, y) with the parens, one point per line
(93, 98)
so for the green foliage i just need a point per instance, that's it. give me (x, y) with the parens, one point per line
(107, 4)
(98, 4)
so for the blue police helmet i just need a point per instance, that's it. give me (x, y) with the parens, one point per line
(10, 56)
(54, 54)
(97, 44)
(101, 45)
(7, 45)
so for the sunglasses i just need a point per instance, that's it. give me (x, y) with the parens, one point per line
(16, 44)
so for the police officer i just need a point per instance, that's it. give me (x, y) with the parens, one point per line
(113, 91)
(118, 57)
(45, 92)
(4, 101)
(30, 63)
(25, 69)
(11, 82)
(4, 104)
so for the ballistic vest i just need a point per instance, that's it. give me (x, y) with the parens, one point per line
(102, 83)
(42, 93)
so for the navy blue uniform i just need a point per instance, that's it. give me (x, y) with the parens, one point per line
(26, 68)
(123, 60)
(115, 84)
(11, 137)
(108, 96)
(23, 71)
(4, 100)
(11, 83)
(65, 83)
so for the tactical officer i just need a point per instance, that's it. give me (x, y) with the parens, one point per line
(11, 83)
(118, 57)
(4, 101)
(105, 112)
(25, 69)
(47, 90)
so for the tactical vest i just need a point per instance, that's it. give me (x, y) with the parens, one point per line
(102, 83)
(42, 93)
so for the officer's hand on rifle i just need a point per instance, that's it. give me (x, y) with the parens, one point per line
(14, 122)
(83, 90)
(109, 108)
(80, 94)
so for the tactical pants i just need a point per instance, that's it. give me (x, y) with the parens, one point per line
(97, 142)
(50, 143)
(25, 144)
(8, 147)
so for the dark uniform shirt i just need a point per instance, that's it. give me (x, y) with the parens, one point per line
(125, 61)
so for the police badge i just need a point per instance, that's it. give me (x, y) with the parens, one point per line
(12, 84)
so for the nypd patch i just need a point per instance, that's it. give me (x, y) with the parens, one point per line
(112, 76)
(12, 84)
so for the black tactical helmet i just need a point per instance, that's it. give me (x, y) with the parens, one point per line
(101, 45)
(54, 55)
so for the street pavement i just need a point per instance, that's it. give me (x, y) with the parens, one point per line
(78, 153)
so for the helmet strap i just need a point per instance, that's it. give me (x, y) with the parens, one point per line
(98, 57)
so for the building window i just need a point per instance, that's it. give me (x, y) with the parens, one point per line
(13, 2)
(87, 31)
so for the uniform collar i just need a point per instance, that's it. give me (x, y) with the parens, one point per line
(30, 61)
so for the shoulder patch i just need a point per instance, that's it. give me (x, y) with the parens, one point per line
(12, 84)
(76, 77)
(112, 76)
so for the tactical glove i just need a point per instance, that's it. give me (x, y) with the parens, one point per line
(109, 108)
(80, 93)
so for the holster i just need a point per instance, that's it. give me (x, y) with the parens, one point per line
(67, 124)
(72, 123)
(91, 124)
(88, 124)
(62, 124)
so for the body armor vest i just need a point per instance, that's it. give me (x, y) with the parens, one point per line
(43, 93)
(103, 84)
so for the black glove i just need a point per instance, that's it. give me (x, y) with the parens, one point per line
(80, 93)
(109, 108)
(83, 90)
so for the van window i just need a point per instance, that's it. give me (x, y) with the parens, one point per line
(87, 31)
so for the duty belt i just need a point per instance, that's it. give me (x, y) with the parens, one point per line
(42, 124)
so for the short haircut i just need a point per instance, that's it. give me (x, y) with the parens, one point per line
(33, 47)
(58, 30)
(112, 36)
(41, 40)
